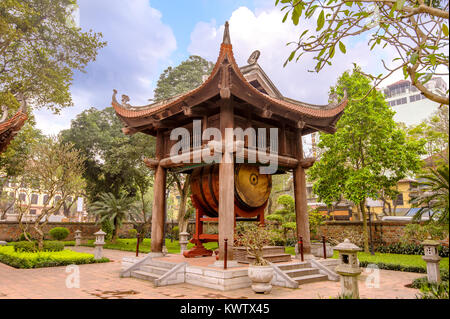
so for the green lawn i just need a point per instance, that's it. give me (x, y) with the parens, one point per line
(413, 263)
(45, 258)
(173, 247)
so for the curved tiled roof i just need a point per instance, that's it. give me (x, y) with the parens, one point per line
(10, 127)
(226, 52)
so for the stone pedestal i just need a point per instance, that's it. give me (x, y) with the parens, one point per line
(183, 241)
(349, 269)
(432, 259)
(77, 238)
(99, 243)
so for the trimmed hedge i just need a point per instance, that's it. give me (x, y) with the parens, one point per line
(27, 246)
(409, 249)
(45, 259)
(59, 233)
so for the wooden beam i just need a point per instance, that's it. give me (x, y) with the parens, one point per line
(151, 163)
(307, 162)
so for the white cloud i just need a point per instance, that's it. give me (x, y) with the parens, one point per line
(138, 44)
(265, 31)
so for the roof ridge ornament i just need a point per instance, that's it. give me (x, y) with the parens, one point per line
(226, 34)
(253, 58)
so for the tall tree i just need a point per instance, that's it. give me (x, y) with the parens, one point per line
(173, 81)
(416, 29)
(113, 160)
(40, 47)
(54, 169)
(367, 154)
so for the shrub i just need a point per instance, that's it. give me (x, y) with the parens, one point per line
(176, 232)
(45, 259)
(24, 246)
(22, 237)
(435, 291)
(53, 246)
(276, 239)
(59, 233)
(409, 249)
(132, 233)
(108, 228)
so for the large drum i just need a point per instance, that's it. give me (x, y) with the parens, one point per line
(251, 189)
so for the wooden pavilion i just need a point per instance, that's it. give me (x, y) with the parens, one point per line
(230, 97)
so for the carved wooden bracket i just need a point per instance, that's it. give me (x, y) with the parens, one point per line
(151, 163)
(307, 162)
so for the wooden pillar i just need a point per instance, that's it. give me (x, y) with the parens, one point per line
(226, 184)
(159, 198)
(301, 204)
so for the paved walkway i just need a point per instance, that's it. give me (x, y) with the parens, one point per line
(103, 281)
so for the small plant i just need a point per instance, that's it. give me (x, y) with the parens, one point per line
(59, 233)
(23, 238)
(24, 246)
(254, 238)
(53, 246)
(434, 291)
(132, 233)
(316, 219)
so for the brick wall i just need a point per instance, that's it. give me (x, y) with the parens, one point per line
(10, 231)
(383, 232)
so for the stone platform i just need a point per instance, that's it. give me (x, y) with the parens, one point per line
(273, 254)
(204, 272)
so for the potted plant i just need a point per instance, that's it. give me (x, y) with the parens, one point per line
(254, 238)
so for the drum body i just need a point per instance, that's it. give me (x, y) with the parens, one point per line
(251, 189)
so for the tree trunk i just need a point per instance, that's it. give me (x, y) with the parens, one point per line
(115, 231)
(365, 228)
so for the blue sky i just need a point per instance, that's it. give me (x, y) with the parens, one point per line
(145, 37)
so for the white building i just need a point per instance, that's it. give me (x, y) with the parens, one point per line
(410, 105)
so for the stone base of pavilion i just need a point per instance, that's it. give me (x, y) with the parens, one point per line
(207, 272)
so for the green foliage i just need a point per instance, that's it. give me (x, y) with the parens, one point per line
(409, 249)
(367, 144)
(417, 233)
(183, 78)
(436, 194)
(23, 238)
(113, 160)
(41, 48)
(132, 233)
(253, 238)
(24, 246)
(59, 233)
(115, 209)
(277, 239)
(53, 246)
(435, 291)
(316, 219)
(45, 259)
(108, 228)
(329, 25)
(175, 233)
(275, 218)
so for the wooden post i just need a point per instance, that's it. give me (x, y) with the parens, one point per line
(301, 204)
(226, 184)
(159, 201)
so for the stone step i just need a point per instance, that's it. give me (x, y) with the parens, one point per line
(154, 270)
(329, 262)
(295, 273)
(276, 258)
(160, 264)
(310, 278)
(296, 265)
(140, 274)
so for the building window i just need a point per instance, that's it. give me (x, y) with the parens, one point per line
(34, 199)
(22, 197)
(33, 211)
(399, 200)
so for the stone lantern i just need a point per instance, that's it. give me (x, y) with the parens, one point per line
(183, 241)
(349, 269)
(99, 242)
(432, 259)
(77, 238)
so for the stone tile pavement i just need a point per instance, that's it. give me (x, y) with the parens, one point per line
(103, 281)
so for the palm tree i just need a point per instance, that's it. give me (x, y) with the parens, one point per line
(435, 197)
(115, 209)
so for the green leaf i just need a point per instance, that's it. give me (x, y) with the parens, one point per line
(414, 58)
(320, 20)
(342, 47)
(291, 56)
(445, 29)
(399, 4)
(432, 59)
(285, 17)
